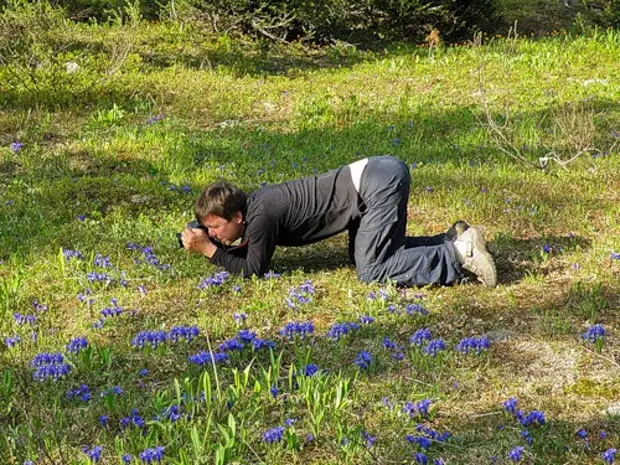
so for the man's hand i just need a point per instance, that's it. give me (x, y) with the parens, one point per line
(196, 240)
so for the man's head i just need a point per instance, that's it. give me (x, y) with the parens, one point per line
(220, 208)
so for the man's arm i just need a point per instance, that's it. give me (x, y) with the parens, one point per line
(261, 234)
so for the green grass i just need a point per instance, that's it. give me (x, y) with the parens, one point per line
(252, 114)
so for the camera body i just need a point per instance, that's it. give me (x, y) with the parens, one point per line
(191, 225)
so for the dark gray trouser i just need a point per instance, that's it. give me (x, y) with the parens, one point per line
(380, 248)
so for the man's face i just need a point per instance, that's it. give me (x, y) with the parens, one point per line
(223, 230)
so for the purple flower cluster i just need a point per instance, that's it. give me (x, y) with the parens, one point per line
(133, 419)
(94, 454)
(420, 337)
(363, 360)
(12, 341)
(370, 440)
(21, 319)
(49, 365)
(396, 350)
(609, 455)
(531, 418)
(76, 345)
(183, 332)
(416, 309)
(614, 256)
(516, 454)
(157, 337)
(82, 393)
(102, 261)
(310, 369)
(473, 344)
(240, 317)
(244, 337)
(594, 333)
(16, 146)
(300, 295)
(153, 455)
(70, 254)
(202, 358)
(421, 441)
(93, 277)
(113, 311)
(273, 435)
(434, 346)
(297, 328)
(431, 433)
(155, 119)
(338, 330)
(366, 320)
(149, 338)
(39, 307)
(419, 408)
(216, 279)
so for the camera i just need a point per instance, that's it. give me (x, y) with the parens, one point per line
(191, 225)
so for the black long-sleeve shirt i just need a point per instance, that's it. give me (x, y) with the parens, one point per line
(293, 213)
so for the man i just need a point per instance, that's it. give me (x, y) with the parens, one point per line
(368, 198)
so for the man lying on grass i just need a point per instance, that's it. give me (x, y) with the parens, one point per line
(368, 198)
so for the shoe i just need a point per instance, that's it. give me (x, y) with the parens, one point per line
(473, 256)
(456, 230)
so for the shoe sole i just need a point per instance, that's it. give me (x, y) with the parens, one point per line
(480, 248)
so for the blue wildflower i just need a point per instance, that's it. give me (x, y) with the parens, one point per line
(102, 261)
(258, 344)
(49, 366)
(82, 392)
(420, 336)
(510, 405)
(310, 369)
(103, 420)
(416, 309)
(363, 360)
(546, 248)
(420, 458)
(183, 332)
(516, 454)
(69, 254)
(16, 146)
(152, 120)
(434, 346)
(297, 328)
(149, 338)
(421, 441)
(152, 455)
(615, 256)
(231, 345)
(534, 417)
(203, 358)
(609, 455)
(274, 391)
(240, 317)
(39, 307)
(93, 454)
(126, 458)
(338, 330)
(12, 341)
(300, 295)
(594, 333)
(247, 336)
(77, 344)
(216, 279)
(471, 344)
(21, 319)
(370, 440)
(420, 408)
(366, 320)
(582, 433)
(273, 435)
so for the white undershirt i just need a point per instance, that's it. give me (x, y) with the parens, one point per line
(357, 167)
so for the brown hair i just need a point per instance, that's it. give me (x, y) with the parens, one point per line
(221, 199)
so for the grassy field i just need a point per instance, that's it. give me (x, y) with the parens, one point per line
(100, 164)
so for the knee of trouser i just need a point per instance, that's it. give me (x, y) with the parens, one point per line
(366, 275)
